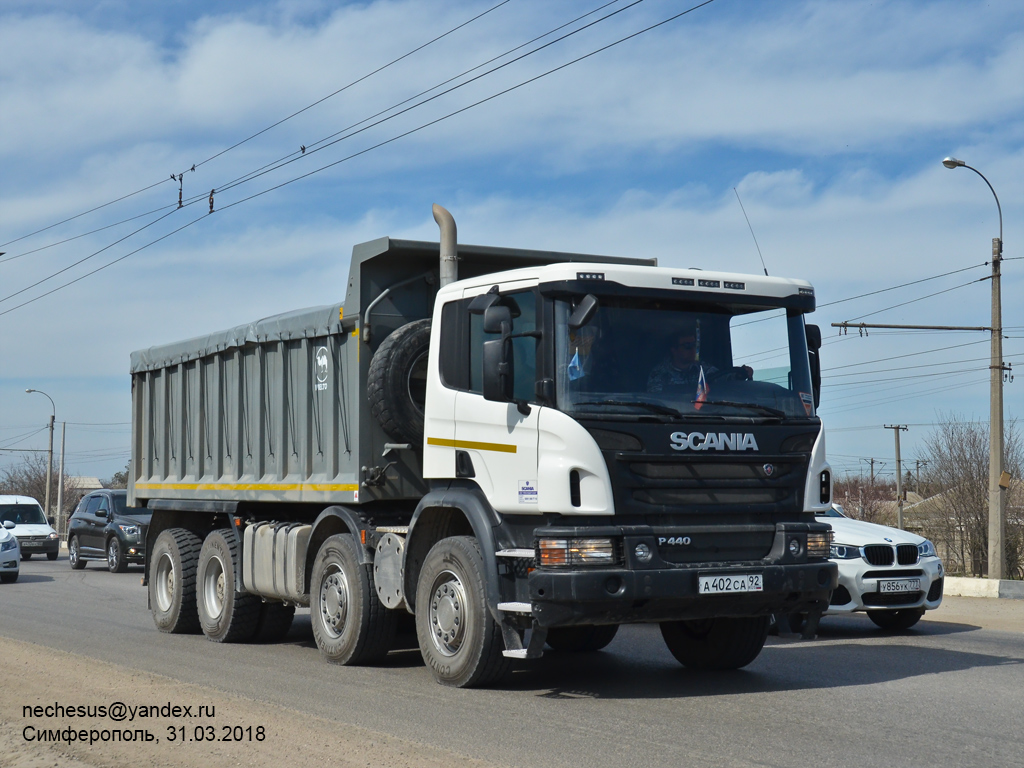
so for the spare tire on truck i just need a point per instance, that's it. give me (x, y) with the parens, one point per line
(397, 382)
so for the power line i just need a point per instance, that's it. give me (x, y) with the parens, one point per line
(354, 82)
(903, 285)
(82, 260)
(313, 147)
(920, 298)
(379, 144)
(325, 143)
(258, 133)
(911, 354)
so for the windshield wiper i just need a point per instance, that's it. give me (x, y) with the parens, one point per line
(652, 407)
(754, 406)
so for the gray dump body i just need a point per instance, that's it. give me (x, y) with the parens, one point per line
(276, 410)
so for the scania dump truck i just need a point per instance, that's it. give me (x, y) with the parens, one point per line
(511, 449)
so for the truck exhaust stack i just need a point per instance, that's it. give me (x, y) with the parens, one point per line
(449, 245)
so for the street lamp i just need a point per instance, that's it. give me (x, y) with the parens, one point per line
(998, 480)
(49, 457)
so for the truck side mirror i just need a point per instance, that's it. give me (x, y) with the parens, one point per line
(498, 370)
(498, 319)
(583, 313)
(814, 357)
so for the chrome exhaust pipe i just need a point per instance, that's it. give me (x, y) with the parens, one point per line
(449, 245)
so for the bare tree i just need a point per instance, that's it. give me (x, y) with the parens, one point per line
(119, 479)
(957, 469)
(863, 500)
(28, 478)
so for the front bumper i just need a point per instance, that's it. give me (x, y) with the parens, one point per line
(858, 588)
(32, 545)
(618, 595)
(134, 551)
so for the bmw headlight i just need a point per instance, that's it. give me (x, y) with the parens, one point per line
(843, 552)
(8, 545)
(129, 530)
(926, 549)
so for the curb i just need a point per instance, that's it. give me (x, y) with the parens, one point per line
(959, 586)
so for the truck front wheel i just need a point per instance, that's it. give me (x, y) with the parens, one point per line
(226, 615)
(350, 625)
(458, 638)
(721, 643)
(172, 581)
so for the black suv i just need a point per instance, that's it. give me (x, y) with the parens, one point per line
(103, 527)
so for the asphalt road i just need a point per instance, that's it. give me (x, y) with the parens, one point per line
(949, 692)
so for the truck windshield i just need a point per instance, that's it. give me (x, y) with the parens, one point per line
(673, 360)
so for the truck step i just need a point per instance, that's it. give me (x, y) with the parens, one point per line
(515, 607)
(519, 653)
(529, 553)
(401, 530)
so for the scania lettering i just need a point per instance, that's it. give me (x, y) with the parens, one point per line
(721, 441)
(511, 449)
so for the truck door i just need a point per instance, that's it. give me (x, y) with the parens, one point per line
(499, 440)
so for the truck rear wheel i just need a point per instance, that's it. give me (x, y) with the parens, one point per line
(458, 637)
(721, 643)
(225, 615)
(581, 639)
(172, 581)
(350, 625)
(397, 381)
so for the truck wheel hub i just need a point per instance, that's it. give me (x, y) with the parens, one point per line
(447, 614)
(334, 602)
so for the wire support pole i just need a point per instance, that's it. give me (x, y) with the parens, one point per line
(897, 428)
(998, 479)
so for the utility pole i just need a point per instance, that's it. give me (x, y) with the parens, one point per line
(49, 457)
(998, 480)
(61, 526)
(896, 429)
(872, 463)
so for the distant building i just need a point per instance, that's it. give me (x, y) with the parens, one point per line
(84, 484)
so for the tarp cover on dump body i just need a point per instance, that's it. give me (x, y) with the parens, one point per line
(297, 324)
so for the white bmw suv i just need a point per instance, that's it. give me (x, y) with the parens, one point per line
(893, 575)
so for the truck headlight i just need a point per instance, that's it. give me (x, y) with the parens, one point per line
(818, 543)
(843, 552)
(569, 552)
(926, 549)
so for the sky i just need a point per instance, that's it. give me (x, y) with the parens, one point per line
(828, 120)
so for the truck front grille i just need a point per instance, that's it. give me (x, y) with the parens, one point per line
(708, 485)
(723, 545)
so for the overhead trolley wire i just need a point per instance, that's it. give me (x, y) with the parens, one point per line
(249, 138)
(354, 82)
(330, 140)
(383, 143)
(285, 161)
(313, 147)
